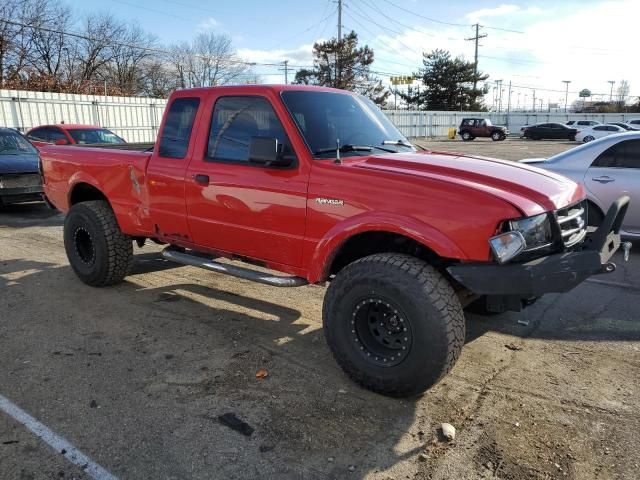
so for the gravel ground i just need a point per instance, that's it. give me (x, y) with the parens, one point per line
(135, 376)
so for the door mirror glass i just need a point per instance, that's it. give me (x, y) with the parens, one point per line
(61, 141)
(267, 151)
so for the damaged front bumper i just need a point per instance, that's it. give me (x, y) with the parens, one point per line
(552, 274)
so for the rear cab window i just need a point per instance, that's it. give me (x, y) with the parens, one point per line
(178, 126)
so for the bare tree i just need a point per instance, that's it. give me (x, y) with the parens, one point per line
(622, 92)
(48, 44)
(209, 60)
(125, 72)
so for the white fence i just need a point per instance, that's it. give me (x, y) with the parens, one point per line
(436, 124)
(134, 118)
(137, 119)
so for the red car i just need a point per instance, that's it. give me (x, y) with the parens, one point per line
(69, 134)
(318, 184)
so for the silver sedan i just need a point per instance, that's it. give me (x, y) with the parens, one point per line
(608, 168)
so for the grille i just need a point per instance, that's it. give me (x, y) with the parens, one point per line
(20, 180)
(572, 223)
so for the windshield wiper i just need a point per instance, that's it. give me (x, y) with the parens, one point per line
(400, 143)
(345, 148)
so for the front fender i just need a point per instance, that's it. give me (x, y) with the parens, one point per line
(328, 246)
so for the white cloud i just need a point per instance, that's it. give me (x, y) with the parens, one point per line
(209, 23)
(502, 10)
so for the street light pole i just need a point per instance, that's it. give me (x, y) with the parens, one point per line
(611, 94)
(566, 94)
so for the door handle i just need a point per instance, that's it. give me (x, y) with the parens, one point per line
(604, 179)
(201, 179)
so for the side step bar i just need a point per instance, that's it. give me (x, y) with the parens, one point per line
(240, 272)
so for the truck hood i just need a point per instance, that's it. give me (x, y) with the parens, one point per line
(25, 163)
(529, 189)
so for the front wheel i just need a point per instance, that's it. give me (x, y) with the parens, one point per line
(497, 136)
(99, 253)
(393, 323)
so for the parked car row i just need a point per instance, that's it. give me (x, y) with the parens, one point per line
(577, 130)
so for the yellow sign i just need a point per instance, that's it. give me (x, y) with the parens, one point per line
(402, 80)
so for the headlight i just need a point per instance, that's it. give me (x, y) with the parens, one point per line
(536, 231)
(507, 246)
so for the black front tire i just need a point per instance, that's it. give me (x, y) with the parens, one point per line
(99, 253)
(406, 350)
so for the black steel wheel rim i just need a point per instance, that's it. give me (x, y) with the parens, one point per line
(380, 331)
(84, 246)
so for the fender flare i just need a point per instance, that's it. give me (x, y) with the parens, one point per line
(329, 245)
(78, 178)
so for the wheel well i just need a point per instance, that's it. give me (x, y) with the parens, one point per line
(83, 192)
(368, 243)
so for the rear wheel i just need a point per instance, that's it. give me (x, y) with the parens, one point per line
(393, 323)
(466, 136)
(99, 253)
(588, 139)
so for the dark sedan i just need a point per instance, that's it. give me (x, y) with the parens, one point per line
(549, 131)
(20, 179)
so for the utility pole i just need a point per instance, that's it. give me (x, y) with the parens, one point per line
(509, 104)
(475, 39)
(338, 76)
(534, 100)
(286, 72)
(339, 20)
(499, 95)
(566, 94)
(611, 94)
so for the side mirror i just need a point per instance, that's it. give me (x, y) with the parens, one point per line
(61, 141)
(264, 150)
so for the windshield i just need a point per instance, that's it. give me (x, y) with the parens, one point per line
(324, 118)
(12, 143)
(488, 123)
(94, 135)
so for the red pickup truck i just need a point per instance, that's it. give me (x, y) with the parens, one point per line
(317, 184)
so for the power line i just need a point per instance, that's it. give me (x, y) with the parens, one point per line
(130, 45)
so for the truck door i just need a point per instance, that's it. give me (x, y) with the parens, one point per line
(241, 207)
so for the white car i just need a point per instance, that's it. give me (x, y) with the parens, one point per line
(608, 168)
(598, 131)
(634, 122)
(581, 124)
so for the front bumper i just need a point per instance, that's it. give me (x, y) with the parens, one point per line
(552, 274)
(16, 188)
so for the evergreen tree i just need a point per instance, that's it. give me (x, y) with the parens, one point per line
(342, 64)
(448, 84)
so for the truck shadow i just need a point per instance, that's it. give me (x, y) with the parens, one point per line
(603, 308)
(195, 347)
(29, 214)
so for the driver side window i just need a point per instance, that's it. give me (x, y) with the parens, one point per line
(235, 121)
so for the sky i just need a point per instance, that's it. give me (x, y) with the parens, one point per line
(535, 45)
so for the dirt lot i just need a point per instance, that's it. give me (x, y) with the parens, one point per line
(509, 149)
(136, 375)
